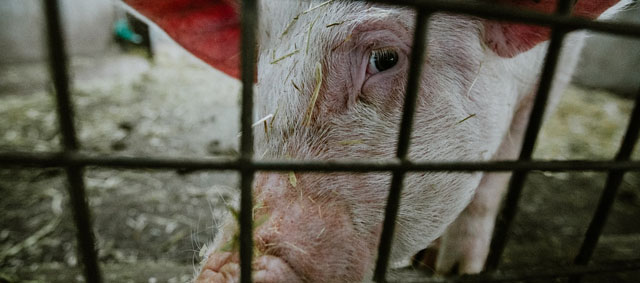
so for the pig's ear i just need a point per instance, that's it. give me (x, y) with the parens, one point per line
(209, 29)
(508, 39)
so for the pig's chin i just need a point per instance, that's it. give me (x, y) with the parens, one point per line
(224, 267)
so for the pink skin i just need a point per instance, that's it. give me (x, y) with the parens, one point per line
(293, 241)
(327, 228)
(476, 88)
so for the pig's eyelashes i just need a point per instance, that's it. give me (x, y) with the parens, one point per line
(381, 60)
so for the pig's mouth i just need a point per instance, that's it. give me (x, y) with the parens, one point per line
(225, 267)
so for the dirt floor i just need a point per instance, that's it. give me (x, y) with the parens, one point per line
(151, 225)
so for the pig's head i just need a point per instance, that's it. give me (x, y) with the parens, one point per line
(333, 76)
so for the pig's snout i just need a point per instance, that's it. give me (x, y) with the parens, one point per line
(225, 267)
(299, 236)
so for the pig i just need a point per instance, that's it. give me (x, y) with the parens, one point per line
(331, 78)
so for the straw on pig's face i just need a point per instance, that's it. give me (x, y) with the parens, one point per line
(353, 110)
(331, 84)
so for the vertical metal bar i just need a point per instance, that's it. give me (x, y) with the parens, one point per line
(393, 200)
(249, 26)
(607, 198)
(60, 77)
(82, 218)
(516, 184)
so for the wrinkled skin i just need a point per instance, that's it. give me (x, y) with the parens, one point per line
(475, 95)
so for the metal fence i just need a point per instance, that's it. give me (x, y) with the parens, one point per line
(560, 22)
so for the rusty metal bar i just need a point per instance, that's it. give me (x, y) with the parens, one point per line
(60, 78)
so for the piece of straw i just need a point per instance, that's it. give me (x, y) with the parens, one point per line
(341, 43)
(258, 123)
(314, 97)
(309, 34)
(474, 80)
(350, 142)
(292, 179)
(465, 119)
(285, 56)
(317, 6)
(291, 23)
(335, 24)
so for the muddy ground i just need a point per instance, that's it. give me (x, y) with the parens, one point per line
(150, 225)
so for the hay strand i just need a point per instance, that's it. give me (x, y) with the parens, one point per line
(465, 119)
(292, 179)
(474, 80)
(291, 23)
(274, 117)
(257, 123)
(350, 142)
(346, 39)
(309, 34)
(314, 97)
(334, 24)
(291, 70)
(317, 6)
(262, 120)
(285, 56)
(296, 86)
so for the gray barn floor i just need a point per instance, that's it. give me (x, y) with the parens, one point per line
(151, 225)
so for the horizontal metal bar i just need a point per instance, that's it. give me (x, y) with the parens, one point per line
(528, 274)
(495, 11)
(46, 160)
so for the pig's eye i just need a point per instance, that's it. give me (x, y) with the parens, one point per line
(382, 60)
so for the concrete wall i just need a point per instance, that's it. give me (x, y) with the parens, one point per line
(612, 62)
(87, 25)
